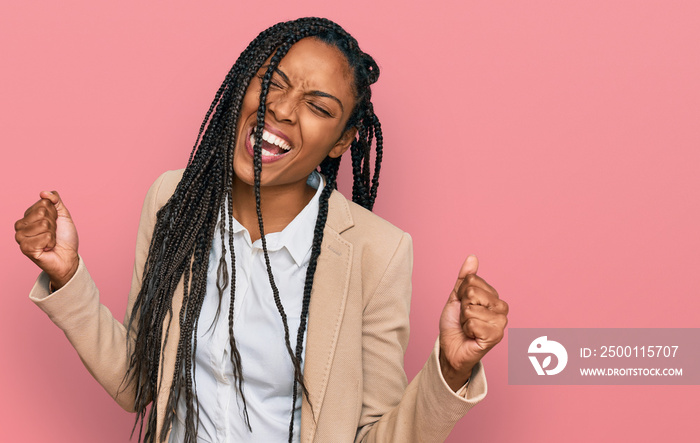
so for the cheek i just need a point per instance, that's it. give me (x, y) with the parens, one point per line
(251, 101)
(319, 136)
(322, 130)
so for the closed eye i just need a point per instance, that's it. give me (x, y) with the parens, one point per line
(320, 110)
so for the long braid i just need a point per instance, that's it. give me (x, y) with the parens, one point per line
(257, 167)
(331, 172)
(318, 233)
(235, 355)
(186, 226)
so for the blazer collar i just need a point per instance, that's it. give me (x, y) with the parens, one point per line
(339, 217)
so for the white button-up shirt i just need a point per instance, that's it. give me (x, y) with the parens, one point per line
(267, 369)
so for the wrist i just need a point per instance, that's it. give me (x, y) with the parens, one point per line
(57, 282)
(455, 378)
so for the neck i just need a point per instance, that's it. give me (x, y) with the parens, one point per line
(279, 205)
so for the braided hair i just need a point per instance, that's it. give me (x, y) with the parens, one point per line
(185, 226)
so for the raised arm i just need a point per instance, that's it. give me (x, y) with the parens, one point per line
(48, 237)
(428, 408)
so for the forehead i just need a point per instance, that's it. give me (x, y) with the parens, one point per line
(315, 65)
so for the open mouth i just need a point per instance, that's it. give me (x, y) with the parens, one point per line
(273, 146)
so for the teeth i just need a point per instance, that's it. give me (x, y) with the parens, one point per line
(274, 140)
(265, 152)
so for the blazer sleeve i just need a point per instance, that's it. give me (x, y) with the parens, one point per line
(426, 410)
(99, 338)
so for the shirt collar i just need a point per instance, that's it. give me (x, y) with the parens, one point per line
(298, 235)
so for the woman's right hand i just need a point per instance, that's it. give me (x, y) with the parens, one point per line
(47, 235)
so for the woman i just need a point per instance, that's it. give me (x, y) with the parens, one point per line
(228, 253)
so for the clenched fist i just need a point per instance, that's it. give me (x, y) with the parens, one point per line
(471, 323)
(47, 235)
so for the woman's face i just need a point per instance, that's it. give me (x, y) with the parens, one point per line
(309, 102)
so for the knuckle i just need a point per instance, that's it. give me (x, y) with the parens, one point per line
(504, 307)
(467, 310)
(25, 246)
(47, 209)
(462, 292)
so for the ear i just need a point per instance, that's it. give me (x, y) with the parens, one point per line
(343, 143)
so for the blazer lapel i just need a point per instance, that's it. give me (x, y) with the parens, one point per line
(326, 308)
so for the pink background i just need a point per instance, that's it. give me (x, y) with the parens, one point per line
(558, 141)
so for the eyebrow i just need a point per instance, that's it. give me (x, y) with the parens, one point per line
(314, 93)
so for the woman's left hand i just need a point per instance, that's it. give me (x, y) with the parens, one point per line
(471, 323)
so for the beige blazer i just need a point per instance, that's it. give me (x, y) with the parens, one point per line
(357, 334)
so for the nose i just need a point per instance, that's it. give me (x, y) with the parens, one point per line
(282, 107)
